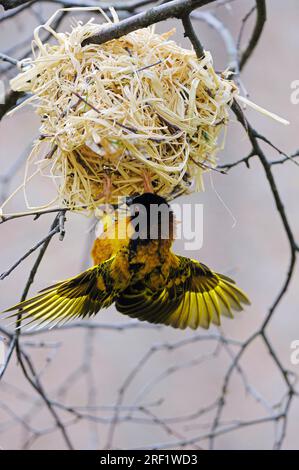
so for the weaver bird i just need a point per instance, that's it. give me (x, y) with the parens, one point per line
(141, 275)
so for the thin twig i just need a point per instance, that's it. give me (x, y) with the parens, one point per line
(261, 17)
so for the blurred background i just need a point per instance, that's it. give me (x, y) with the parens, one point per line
(165, 394)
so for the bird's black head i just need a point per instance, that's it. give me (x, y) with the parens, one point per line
(147, 199)
(151, 217)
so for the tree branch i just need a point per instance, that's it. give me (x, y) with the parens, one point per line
(190, 33)
(257, 32)
(57, 229)
(173, 9)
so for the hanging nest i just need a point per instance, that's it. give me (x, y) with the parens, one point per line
(119, 116)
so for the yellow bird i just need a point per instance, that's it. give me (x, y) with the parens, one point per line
(136, 269)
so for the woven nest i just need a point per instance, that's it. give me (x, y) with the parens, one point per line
(124, 115)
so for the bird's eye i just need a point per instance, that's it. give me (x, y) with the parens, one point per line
(135, 209)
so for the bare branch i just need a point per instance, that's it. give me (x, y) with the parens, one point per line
(257, 32)
(173, 9)
(129, 405)
(190, 33)
(59, 228)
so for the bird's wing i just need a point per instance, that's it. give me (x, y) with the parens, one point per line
(79, 296)
(193, 296)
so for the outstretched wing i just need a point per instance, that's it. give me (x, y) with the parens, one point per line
(80, 296)
(194, 296)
